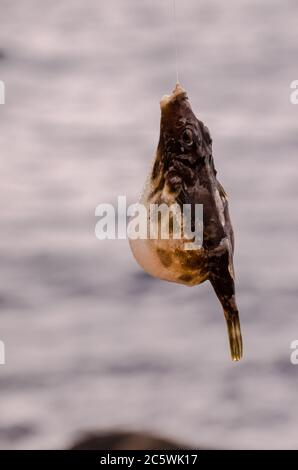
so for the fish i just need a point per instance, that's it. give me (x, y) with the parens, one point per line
(183, 173)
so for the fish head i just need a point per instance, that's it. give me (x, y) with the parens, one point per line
(185, 144)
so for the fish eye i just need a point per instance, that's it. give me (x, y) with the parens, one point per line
(187, 137)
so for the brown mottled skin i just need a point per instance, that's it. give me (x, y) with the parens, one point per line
(184, 172)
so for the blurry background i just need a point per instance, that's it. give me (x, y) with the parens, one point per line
(91, 341)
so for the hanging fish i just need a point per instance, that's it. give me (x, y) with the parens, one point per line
(184, 173)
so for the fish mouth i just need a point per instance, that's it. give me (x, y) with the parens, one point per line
(178, 93)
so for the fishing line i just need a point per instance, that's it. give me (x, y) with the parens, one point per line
(174, 32)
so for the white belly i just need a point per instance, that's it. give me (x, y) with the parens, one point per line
(165, 261)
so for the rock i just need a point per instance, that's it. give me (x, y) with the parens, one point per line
(125, 441)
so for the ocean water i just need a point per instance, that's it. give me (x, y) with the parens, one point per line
(91, 341)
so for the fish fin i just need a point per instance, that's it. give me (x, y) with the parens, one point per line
(225, 291)
(222, 191)
(234, 333)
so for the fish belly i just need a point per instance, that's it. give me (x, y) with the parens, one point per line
(168, 260)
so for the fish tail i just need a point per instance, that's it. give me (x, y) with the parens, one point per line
(234, 333)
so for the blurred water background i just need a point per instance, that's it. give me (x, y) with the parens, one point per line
(91, 341)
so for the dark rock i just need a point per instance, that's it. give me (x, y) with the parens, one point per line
(125, 441)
